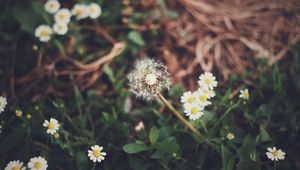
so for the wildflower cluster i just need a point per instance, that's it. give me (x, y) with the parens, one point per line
(62, 17)
(195, 102)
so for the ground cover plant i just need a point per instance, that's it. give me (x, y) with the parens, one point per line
(99, 85)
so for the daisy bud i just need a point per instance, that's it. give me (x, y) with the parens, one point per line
(19, 113)
(148, 78)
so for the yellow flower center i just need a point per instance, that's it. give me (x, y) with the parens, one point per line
(79, 12)
(19, 113)
(97, 153)
(194, 110)
(37, 165)
(51, 125)
(51, 5)
(275, 154)
(207, 81)
(62, 16)
(190, 99)
(203, 98)
(92, 10)
(246, 95)
(16, 168)
(44, 33)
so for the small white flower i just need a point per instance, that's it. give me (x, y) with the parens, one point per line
(52, 6)
(37, 163)
(15, 165)
(202, 98)
(94, 10)
(244, 94)
(187, 97)
(140, 126)
(148, 78)
(230, 136)
(3, 103)
(208, 92)
(43, 32)
(80, 11)
(96, 154)
(63, 15)
(60, 28)
(207, 80)
(52, 126)
(194, 111)
(275, 154)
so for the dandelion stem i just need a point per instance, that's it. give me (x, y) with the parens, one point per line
(179, 116)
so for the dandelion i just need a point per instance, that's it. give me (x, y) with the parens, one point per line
(148, 79)
(37, 163)
(43, 32)
(52, 126)
(94, 10)
(15, 165)
(194, 111)
(230, 136)
(187, 97)
(3, 103)
(244, 94)
(52, 6)
(275, 154)
(207, 80)
(19, 113)
(96, 154)
(60, 28)
(140, 126)
(80, 11)
(202, 98)
(63, 15)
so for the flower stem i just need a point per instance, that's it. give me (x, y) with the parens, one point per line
(212, 131)
(179, 116)
(275, 167)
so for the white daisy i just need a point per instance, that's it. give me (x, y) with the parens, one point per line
(37, 163)
(208, 92)
(80, 11)
(201, 98)
(60, 28)
(94, 10)
(3, 103)
(207, 80)
(52, 6)
(96, 154)
(244, 94)
(194, 111)
(43, 32)
(275, 154)
(63, 15)
(15, 165)
(52, 126)
(187, 97)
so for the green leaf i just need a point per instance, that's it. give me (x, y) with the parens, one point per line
(132, 148)
(153, 135)
(109, 72)
(82, 161)
(169, 145)
(247, 152)
(136, 38)
(227, 159)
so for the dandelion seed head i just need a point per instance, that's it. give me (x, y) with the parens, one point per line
(148, 78)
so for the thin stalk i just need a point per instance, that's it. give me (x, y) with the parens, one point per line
(222, 117)
(275, 166)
